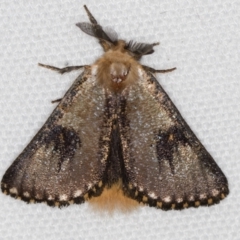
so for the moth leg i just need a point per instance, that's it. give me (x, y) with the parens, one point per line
(62, 70)
(152, 70)
(57, 100)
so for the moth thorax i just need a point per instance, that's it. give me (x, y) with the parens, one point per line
(119, 72)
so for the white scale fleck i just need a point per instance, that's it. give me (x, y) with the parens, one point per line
(191, 198)
(203, 196)
(13, 190)
(38, 196)
(63, 197)
(152, 195)
(77, 193)
(89, 186)
(215, 192)
(94, 70)
(140, 72)
(50, 198)
(26, 194)
(179, 200)
(167, 199)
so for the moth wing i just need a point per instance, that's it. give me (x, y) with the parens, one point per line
(63, 163)
(166, 165)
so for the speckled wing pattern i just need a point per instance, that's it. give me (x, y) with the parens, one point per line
(116, 126)
(166, 165)
(64, 162)
(95, 137)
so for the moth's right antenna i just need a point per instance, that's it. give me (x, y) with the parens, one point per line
(106, 38)
(90, 16)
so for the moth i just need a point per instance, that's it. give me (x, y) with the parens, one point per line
(116, 128)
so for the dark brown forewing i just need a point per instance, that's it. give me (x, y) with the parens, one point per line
(166, 165)
(64, 162)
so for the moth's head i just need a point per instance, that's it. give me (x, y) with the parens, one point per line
(116, 69)
(109, 39)
(119, 72)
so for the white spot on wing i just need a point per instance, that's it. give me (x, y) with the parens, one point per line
(63, 197)
(50, 198)
(13, 190)
(152, 195)
(191, 198)
(167, 199)
(90, 186)
(77, 193)
(203, 196)
(215, 192)
(38, 197)
(179, 200)
(26, 194)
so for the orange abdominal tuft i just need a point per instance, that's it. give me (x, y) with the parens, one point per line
(113, 199)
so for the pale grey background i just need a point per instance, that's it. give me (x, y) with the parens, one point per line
(200, 38)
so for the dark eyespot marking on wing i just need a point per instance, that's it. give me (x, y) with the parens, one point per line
(64, 141)
(168, 142)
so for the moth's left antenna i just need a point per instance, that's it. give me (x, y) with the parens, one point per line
(90, 16)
